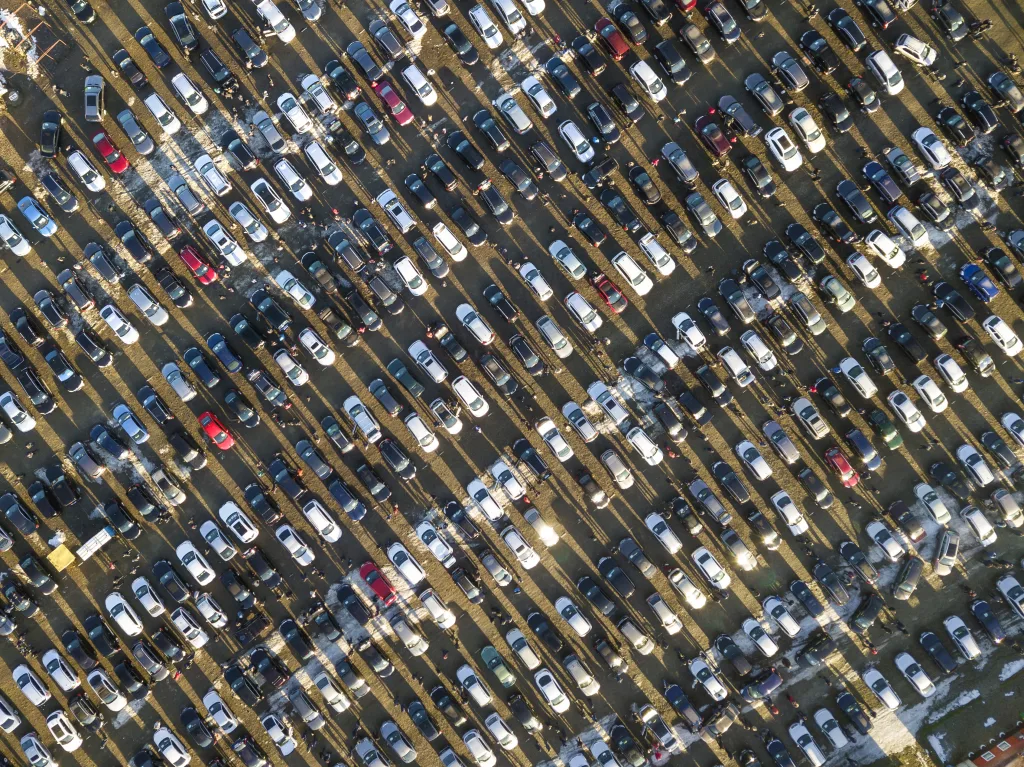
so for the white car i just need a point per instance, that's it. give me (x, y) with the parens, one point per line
(603, 396)
(170, 748)
(428, 361)
(504, 476)
(885, 72)
(539, 97)
(552, 691)
(270, 201)
(86, 172)
(666, 535)
(753, 460)
(317, 347)
(124, 616)
(148, 597)
(906, 411)
(809, 417)
(645, 446)
(571, 614)
(411, 276)
(226, 245)
(962, 637)
(790, 514)
(805, 742)
(475, 324)
(31, 685)
(211, 610)
(406, 564)
(481, 753)
(220, 712)
(926, 494)
(272, 15)
(884, 538)
(702, 672)
(215, 9)
(730, 199)
(759, 351)
(711, 569)
(656, 254)
(914, 674)
(12, 237)
(16, 413)
(669, 620)
(807, 130)
(424, 437)
(325, 166)
(439, 612)
(951, 373)
(777, 610)
(522, 647)
(211, 175)
(293, 371)
(979, 524)
(408, 18)
(648, 81)
(177, 381)
(63, 731)
(1013, 424)
(635, 277)
(576, 141)
(292, 179)
(419, 85)
(294, 111)
(59, 671)
(484, 500)
(909, 226)
(510, 16)
(581, 424)
(523, 551)
(321, 521)
(880, 686)
(756, 633)
(298, 292)
(931, 148)
(865, 272)
(470, 396)
(583, 312)
(123, 329)
(737, 368)
(976, 466)
(1004, 337)
(694, 597)
(929, 391)
(687, 330)
(553, 439)
(617, 468)
(485, 27)
(195, 563)
(295, 545)
(535, 281)
(189, 628)
(169, 123)
(858, 377)
(189, 93)
(254, 229)
(889, 252)
(829, 725)
(238, 522)
(922, 54)
(471, 683)
(314, 91)
(1012, 593)
(783, 149)
(565, 258)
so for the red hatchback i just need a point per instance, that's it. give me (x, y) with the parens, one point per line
(215, 430)
(378, 583)
(198, 265)
(116, 161)
(839, 463)
(392, 103)
(610, 293)
(713, 137)
(612, 38)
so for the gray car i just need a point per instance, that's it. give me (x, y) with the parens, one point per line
(269, 130)
(703, 214)
(781, 442)
(140, 139)
(365, 114)
(762, 90)
(185, 194)
(789, 71)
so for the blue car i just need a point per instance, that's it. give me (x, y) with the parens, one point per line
(979, 283)
(36, 216)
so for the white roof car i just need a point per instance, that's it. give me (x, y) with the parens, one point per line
(208, 171)
(321, 521)
(914, 674)
(931, 148)
(909, 226)
(581, 675)
(805, 742)
(221, 713)
(962, 637)
(148, 305)
(535, 281)
(436, 544)
(979, 524)
(59, 671)
(759, 351)
(657, 254)
(419, 85)
(737, 368)
(148, 596)
(936, 507)
(215, 9)
(669, 620)
(648, 81)
(455, 249)
(315, 92)
(922, 54)
(484, 500)
(731, 200)
(523, 551)
(238, 522)
(123, 329)
(576, 141)
(325, 166)
(294, 111)
(474, 323)
(645, 446)
(522, 647)
(295, 545)
(882, 67)
(1004, 337)
(829, 725)
(702, 672)
(411, 276)
(553, 693)
(442, 616)
(777, 610)
(298, 292)
(294, 372)
(553, 438)
(63, 731)
(408, 18)
(169, 123)
(881, 245)
(711, 570)
(884, 538)
(226, 245)
(292, 179)
(316, 346)
(473, 685)
(510, 16)
(1014, 425)
(604, 397)
(687, 330)
(12, 237)
(189, 93)
(507, 480)
(195, 563)
(572, 615)
(273, 16)
(1012, 593)
(756, 633)
(189, 628)
(582, 425)
(635, 277)
(270, 201)
(858, 377)
(254, 229)
(540, 98)
(807, 130)
(485, 27)
(666, 535)
(566, 259)
(906, 411)
(124, 616)
(694, 597)
(424, 437)
(951, 372)
(362, 418)
(929, 391)
(414, 643)
(170, 748)
(583, 312)
(783, 149)
(396, 210)
(481, 753)
(865, 272)
(86, 172)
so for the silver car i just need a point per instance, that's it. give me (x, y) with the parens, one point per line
(140, 139)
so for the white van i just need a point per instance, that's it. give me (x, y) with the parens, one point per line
(882, 67)
(419, 85)
(449, 242)
(883, 246)
(159, 109)
(657, 254)
(649, 82)
(510, 16)
(396, 211)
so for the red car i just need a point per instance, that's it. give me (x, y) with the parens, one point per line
(215, 430)
(378, 583)
(612, 38)
(686, 5)
(610, 293)
(840, 464)
(713, 137)
(392, 103)
(198, 265)
(116, 161)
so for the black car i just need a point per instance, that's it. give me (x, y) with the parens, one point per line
(239, 150)
(882, 182)
(616, 577)
(849, 706)
(298, 640)
(217, 69)
(950, 19)
(982, 612)
(729, 480)
(836, 112)
(644, 185)
(342, 79)
(757, 174)
(242, 685)
(587, 56)
(102, 638)
(833, 225)
(590, 229)
(539, 624)
(804, 241)
(373, 231)
(83, 10)
(567, 83)
(457, 515)
(822, 56)
(118, 516)
(106, 440)
(529, 457)
(948, 298)
(195, 727)
(761, 279)
(239, 590)
(603, 123)
(956, 127)
(43, 500)
(790, 267)
(879, 12)
(728, 649)
(846, 29)
(979, 112)
(486, 124)
(679, 231)
(50, 133)
(171, 582)
(803, 592)
(183, 30)
(960, 189)
(374, 484)
(79, 649)
(447, 705)
(951, 480)
(937, 652)
(595, 595)
(27, 327)
(144, 37)
(627, 102)
(620, 210)
(931, 324)
(710, 311)
(730, 290)
(464, 49)
(830, 582)
(857, 203)
(135, 242)
(909, 345)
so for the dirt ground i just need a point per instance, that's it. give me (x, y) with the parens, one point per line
(585, 534)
